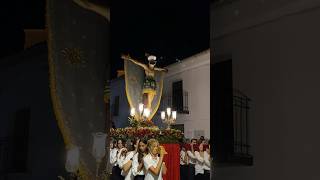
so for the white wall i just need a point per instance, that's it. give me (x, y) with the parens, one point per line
(195, 74)
(276, 63)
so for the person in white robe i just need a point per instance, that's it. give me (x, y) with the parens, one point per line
(184, 163)
(138, 169)
(116, 171)
(192, 159)
(202, 167)
(125, 160)
(154, 165)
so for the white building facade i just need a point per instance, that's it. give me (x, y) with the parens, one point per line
(194, 74)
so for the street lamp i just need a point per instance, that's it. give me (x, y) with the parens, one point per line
(169, 117)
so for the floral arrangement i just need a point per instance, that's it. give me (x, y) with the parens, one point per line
(136, 123)
(163, 136)
(146, 129)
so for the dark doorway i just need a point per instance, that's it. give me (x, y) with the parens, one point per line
(222, 111)
(20, 141)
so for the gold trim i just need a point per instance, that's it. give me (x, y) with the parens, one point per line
(149, 91)
(158, 104)
(126, 84)
(57, 107)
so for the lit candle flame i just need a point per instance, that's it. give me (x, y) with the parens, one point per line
(132, 112)
(174, 115)
(168, 111)
(163, 115)
(140, 107)
(146, 112)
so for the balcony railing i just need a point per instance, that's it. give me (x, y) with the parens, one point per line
(167, 102)
(241, 146)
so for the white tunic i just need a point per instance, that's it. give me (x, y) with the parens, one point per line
(192, 158)
(207, 163)
(148, 161)
(203, 163)
(182, 155)
(122, 161)
(120, 158)
(135, 165)
(113, 157)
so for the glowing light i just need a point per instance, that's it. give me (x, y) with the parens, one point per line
(140, 107)
(174, 114)
(132, 112)
(163, 115)
(146, 112)
(168, 111)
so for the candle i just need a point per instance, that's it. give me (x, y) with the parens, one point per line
(132, 111)
(163, 115)
(140, 107)
(146, 112)
(168, 111)
(174, 115)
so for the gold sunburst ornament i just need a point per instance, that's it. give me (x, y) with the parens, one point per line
(73, 56)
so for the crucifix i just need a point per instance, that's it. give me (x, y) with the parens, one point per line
(149, 84)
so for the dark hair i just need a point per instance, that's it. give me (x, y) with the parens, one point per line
(121, 141)
(135, 140)
(144, 140)
(140, 154)
(183, 146)
(130, 145)
(114, 142)
(194, 139)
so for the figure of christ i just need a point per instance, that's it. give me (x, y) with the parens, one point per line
(149, 85)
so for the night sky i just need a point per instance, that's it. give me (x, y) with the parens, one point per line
(172, 29)
(169, 29)
(15, 16)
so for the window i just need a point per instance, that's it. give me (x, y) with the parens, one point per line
(179, 98)
(241, 143)
(19, 156)
(185, 102)
(116, 106)
(230, 118)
